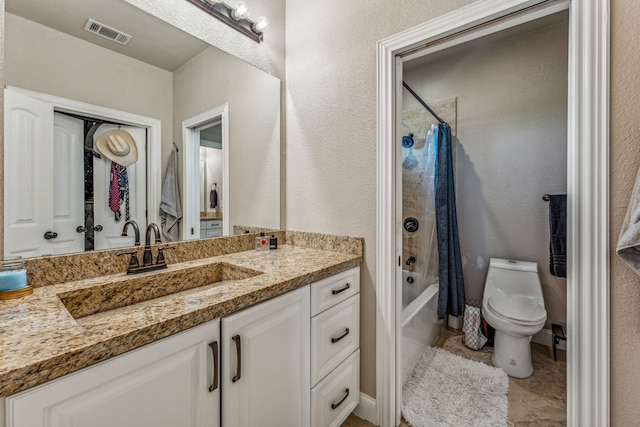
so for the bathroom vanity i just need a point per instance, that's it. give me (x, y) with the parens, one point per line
(274, 341)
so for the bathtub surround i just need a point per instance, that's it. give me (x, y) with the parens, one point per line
(46, 342)
(416, 183)
(448, 390)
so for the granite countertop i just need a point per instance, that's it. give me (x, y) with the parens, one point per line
(41, 340)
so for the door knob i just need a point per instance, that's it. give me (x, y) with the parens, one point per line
(97, 228)
(50, 235)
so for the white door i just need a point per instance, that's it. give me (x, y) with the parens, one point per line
(68, 183)
(110, 236)
(169, 383)
(28, 176)
(265, 375)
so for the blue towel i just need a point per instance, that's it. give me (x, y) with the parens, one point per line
(451, 298)
(558, 229)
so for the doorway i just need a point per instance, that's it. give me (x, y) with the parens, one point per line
(206, 187)
(504, 97)
(56, 219)
(587, 189)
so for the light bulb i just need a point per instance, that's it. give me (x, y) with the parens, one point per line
(240, 11)
(261, 25)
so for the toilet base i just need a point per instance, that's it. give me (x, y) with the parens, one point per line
(512, 354)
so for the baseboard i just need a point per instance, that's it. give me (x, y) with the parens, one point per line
(367, 409)
(545, 337)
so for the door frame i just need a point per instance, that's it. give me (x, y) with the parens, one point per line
(588, 384)
(154, 127)
(191, 149)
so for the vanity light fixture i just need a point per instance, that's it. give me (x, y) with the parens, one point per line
(236, 17)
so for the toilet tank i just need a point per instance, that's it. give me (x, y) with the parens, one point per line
(513, 277)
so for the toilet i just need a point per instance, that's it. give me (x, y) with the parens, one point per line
(513, 305)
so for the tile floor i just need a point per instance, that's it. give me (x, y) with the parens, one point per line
(540, 400)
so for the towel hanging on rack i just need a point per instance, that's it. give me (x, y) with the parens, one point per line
(213, 197)
(628, 247)
(558, 231)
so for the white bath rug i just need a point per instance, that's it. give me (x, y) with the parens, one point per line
(446, 390)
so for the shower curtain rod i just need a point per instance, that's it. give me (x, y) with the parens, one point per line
(424, 104)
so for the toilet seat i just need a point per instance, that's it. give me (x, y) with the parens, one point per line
(516, 308)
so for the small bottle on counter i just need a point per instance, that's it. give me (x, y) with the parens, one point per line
(273, 242)
(13, 274)
(262, 242)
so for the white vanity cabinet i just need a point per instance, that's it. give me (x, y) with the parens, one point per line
(265, 374)
(291, 361)
(168, 383)
(335, 342)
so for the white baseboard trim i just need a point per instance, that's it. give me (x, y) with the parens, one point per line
(545, 337)
(367, 409)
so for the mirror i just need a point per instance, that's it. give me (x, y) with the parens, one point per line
(163, 86)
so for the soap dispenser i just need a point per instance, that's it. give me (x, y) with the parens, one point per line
(262, 242)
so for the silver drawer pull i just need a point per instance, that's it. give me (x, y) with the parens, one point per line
(335, 405)
(335, 340)
(337, 291)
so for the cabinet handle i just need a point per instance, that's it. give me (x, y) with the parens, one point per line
(337, 291)
(335, 405)
(214, 353)
(236, 377)
(335, 340)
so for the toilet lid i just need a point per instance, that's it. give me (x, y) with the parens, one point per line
(518, 308)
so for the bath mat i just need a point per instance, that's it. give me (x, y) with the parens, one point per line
(447, 390)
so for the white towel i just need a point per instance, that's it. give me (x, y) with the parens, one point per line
(629, 241)
(170, 208)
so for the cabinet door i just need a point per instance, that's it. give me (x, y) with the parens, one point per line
(166, 383)
(266, 363)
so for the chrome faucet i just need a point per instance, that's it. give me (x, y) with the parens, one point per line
(135, 229)
(147, 256)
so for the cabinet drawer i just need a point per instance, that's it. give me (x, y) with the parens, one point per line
(214, 233)
(336, 396)
(332, 290)
(335, 334)
(215, 224)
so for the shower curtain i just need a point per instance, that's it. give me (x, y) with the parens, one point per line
(428, 271)
(451, 297)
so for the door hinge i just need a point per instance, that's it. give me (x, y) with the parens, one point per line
(399, 261)
(193, 231)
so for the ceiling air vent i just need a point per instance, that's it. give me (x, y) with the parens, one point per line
(107, 32)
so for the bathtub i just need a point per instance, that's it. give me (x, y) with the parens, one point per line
(420, 326)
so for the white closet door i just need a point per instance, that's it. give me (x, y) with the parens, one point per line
(110, 236)
(28, 175)
(68, 183)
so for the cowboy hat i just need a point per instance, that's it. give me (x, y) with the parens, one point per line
(118, 146)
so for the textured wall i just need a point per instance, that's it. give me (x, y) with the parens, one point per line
(51, 62)
(625, 161)
(254, 129)
(331, 125)
(512, 147)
